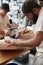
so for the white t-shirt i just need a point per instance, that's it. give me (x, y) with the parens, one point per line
(4, 22)
(39, 27)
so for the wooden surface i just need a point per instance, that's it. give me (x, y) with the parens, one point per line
(7, 55)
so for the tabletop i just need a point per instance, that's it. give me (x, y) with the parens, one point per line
(7, 55)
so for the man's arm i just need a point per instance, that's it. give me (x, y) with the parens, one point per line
(35, 41)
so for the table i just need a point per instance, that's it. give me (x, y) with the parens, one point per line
(8, 53)
(6, 56)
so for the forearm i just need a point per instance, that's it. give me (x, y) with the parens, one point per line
(27, 43)
(35, 41)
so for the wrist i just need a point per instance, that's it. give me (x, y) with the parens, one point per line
(20, 42)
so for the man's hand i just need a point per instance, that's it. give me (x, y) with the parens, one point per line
(15, 42)
(19, 32)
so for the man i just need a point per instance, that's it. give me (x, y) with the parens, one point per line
(37, 39)
(4, 20)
